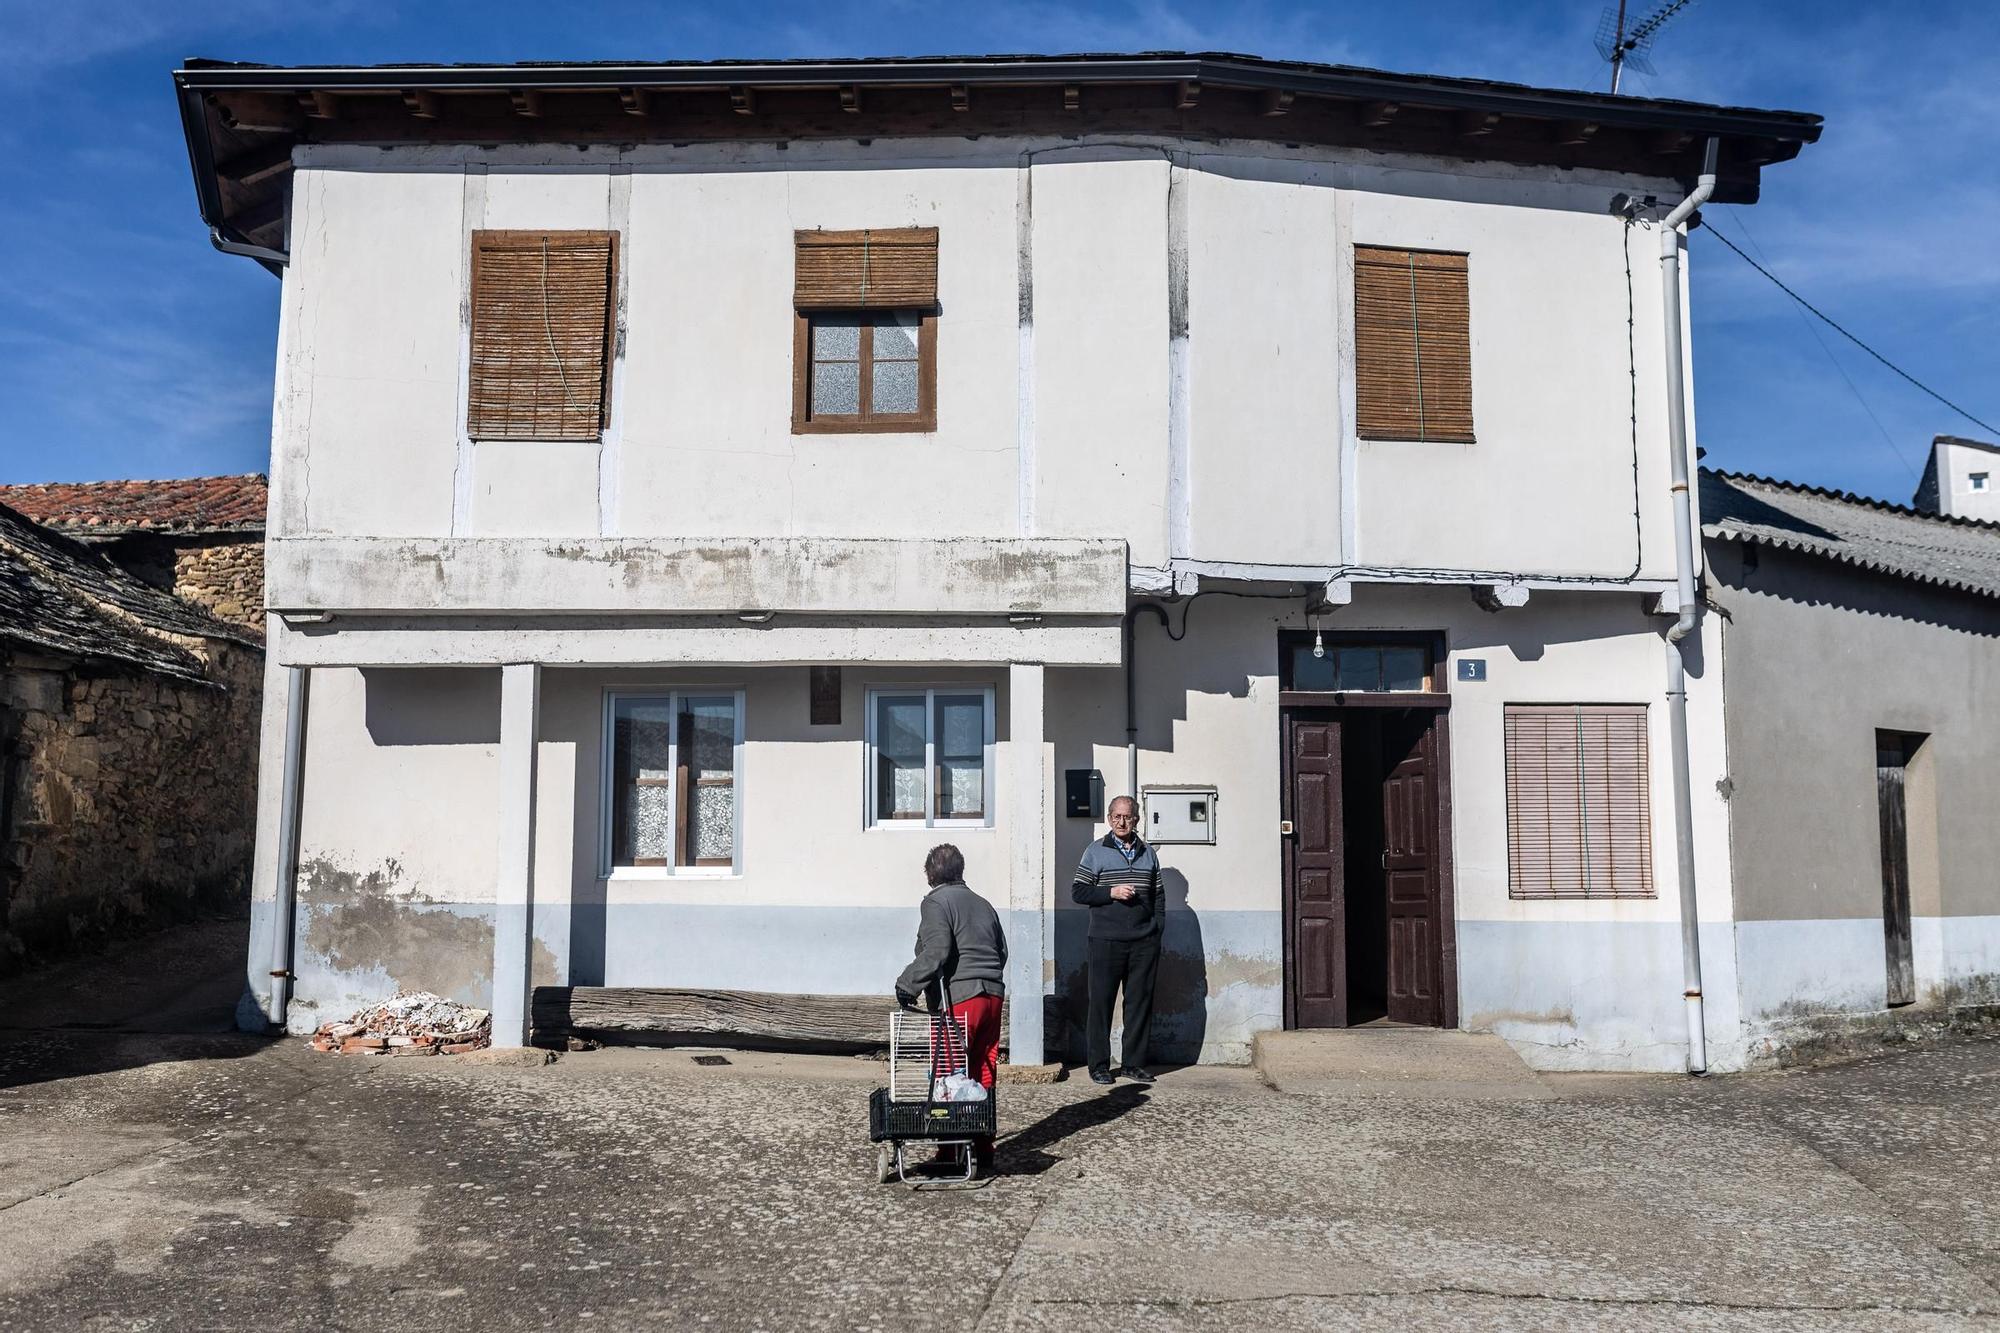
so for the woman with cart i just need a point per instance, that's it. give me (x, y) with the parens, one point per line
(961, 965)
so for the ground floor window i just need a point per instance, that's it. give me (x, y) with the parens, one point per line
(671, 779)
(930, 757)
(1579, 813)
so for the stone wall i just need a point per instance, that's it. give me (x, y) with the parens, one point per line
(126, 801)
(224, 575)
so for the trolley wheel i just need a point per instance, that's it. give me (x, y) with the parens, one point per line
(885, 1163)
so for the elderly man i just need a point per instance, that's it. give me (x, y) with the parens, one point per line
(1118, 879)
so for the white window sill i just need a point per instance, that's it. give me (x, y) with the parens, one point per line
(918, 826)
(653, 874)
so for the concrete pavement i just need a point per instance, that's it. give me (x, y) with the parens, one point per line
(195, 1179)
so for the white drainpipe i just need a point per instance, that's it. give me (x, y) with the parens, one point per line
(1690, 609)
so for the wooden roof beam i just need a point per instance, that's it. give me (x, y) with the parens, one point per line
(1189, 96)
(255, 164)
(961, 97)
(259, 215)
(743, 100)
(850, 98)
(422, 102)
(1377, 115)
(1277, 101)
(636, 101)
(1072, 97)
(527, 101)
(1477, 124)
(320, 104)
(1573, 133)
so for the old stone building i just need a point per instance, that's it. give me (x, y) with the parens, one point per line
(128, 733)
(201, 538)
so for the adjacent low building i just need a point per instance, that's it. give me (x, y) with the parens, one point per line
(128, 729)
(1861, 658)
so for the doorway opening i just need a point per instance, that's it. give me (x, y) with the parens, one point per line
(1899, 757)
(1367, 899)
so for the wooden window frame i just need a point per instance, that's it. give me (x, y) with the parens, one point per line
(682, 862)
(873, 818)
(922, 421)
(1363, 429)
(486, 238)
(1437, 686)
(1646, 887)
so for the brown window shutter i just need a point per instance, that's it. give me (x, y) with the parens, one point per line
(1412, 345)
(866, 270)
(541, 334)
(1579, 812)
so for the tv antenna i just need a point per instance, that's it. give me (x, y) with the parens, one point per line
(1624, 46)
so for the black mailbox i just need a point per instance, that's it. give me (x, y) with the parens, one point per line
(1083, 793)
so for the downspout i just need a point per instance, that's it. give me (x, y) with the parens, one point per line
(1690, 609)
(1132, 694)
(284, 899)
(271, 259)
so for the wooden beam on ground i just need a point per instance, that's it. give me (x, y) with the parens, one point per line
(717, 1017)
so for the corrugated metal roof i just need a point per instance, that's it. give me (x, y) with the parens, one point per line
(1890, 539)
(60, 597)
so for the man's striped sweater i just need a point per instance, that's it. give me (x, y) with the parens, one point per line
(1104, 866)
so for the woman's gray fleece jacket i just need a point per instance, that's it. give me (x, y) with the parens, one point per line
(959, 940)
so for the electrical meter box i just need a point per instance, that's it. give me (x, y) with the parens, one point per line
(1178, 814)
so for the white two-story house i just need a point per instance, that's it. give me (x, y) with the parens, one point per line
(699, 489)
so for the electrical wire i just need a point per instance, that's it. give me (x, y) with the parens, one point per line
(1848, 380)
(1836, 327)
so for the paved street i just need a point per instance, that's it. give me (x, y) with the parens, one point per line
(159, 1172)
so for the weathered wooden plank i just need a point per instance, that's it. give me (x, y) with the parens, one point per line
(719, 1017)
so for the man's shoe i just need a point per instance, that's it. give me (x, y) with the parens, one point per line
(1102, 1076)
(1136, 1075)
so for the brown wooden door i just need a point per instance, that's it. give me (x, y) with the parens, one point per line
(1410, 872)
(1315, 926)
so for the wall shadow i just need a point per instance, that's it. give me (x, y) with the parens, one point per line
(432, 705)
(1180, 990)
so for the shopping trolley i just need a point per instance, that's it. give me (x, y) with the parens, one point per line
(924, 1049)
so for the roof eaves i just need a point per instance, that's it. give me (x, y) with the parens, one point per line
(1860, 501)
(1222, 68)
(1757, 536)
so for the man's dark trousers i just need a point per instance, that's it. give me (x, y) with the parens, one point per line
(1131, 964)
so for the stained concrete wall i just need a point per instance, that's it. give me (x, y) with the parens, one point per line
(1818, 657)
(1142, 340)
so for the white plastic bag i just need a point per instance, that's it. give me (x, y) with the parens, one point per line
(957, 1088)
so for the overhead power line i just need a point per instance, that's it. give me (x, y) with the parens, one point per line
(1834, 324)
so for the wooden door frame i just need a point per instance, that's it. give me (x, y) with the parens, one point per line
(1437, 735)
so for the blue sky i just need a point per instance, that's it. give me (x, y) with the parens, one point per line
(129, 348)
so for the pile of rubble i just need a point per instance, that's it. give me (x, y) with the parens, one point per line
(409, 1023)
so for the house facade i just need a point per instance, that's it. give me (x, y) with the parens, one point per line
(696, 490)
(1860, 642)
(1961, 479)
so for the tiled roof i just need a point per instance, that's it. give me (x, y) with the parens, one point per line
(1891, 539)
(61, 597)
(190, 504)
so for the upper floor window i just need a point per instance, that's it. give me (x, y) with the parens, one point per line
(1979, 480)
(542, 304)
(864, 353)
(1412, 345)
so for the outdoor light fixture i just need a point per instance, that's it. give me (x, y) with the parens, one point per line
(755, 617)
(1022, 618)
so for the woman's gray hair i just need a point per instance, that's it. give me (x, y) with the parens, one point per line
(944, 865)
